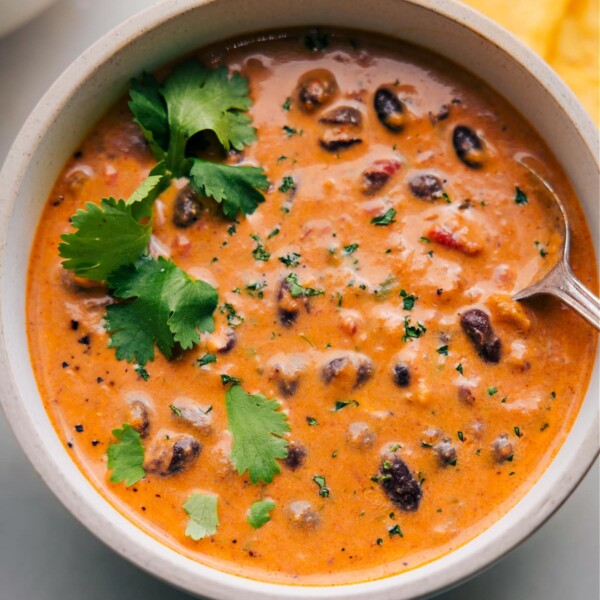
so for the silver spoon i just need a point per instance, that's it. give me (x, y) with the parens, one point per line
(560, 281)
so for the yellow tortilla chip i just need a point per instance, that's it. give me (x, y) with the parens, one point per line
(564, 32)
(576, 52)
(533, 21)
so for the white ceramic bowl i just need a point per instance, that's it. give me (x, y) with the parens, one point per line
(168, 30)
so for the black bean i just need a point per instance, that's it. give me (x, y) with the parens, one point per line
(189, 411)
(170, 454)
(476, 324)
(337, 139)
(399, 483)
(468, 146)
(302, 515)
(364, 371)
(333, 368)
(127, 140)
(138, 417)
(295, 457)
(377, 175)
(401, 374)
(465, 395)
(185, 452)
(446, 452)
(229, 342)
(342, 115)
(315, 89)
(389, 109)
(426, 187)
(287, 387)
(187, 208)
(441, 115)
(502, 449)
(288, 308)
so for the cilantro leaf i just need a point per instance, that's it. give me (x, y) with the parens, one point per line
(257, 427)
(385, 219)
(107, 237)
(200, 99)
(142, 199)
(150, 113)
(235, 188)
(204, 519)
(258, 514)
(126, 458)
(167, 307)
(296, 289)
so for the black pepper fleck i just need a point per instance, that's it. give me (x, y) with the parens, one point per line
(84, 340)
(74, 325)
(79, 428)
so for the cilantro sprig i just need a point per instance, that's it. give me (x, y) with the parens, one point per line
(162, 304)
(166, 306)
(192, 100)
(257, 426)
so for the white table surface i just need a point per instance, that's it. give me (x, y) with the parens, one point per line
(46, 555)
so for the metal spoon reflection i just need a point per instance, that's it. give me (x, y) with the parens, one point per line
(560, 281)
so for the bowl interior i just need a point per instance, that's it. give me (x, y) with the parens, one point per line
(167, 31)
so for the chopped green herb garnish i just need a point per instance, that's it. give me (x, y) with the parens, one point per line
(176, 410)
(256, 288)
(412, 331)
(233, 318)
(395, 530)
(491, 391)
(350, 248)
(227, 379)
(443, 350)
(518, 432)
(273, 233)
(290, 131)
(459, 368)
(311, 421)
(343, 403)
(141, 371)
(206, 359)
(287, 184)
(460, 436)
(260, 252)
(408, 302)
(323, 489)
(291, 259)
(520, 197)
(297, 290)
(287, 104)
(425, 240)
(386, 219)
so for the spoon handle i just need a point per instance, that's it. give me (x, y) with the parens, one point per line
(562, 283)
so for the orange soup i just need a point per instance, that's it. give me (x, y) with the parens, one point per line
(291, 353)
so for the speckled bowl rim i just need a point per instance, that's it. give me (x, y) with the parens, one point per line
(57, 469)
